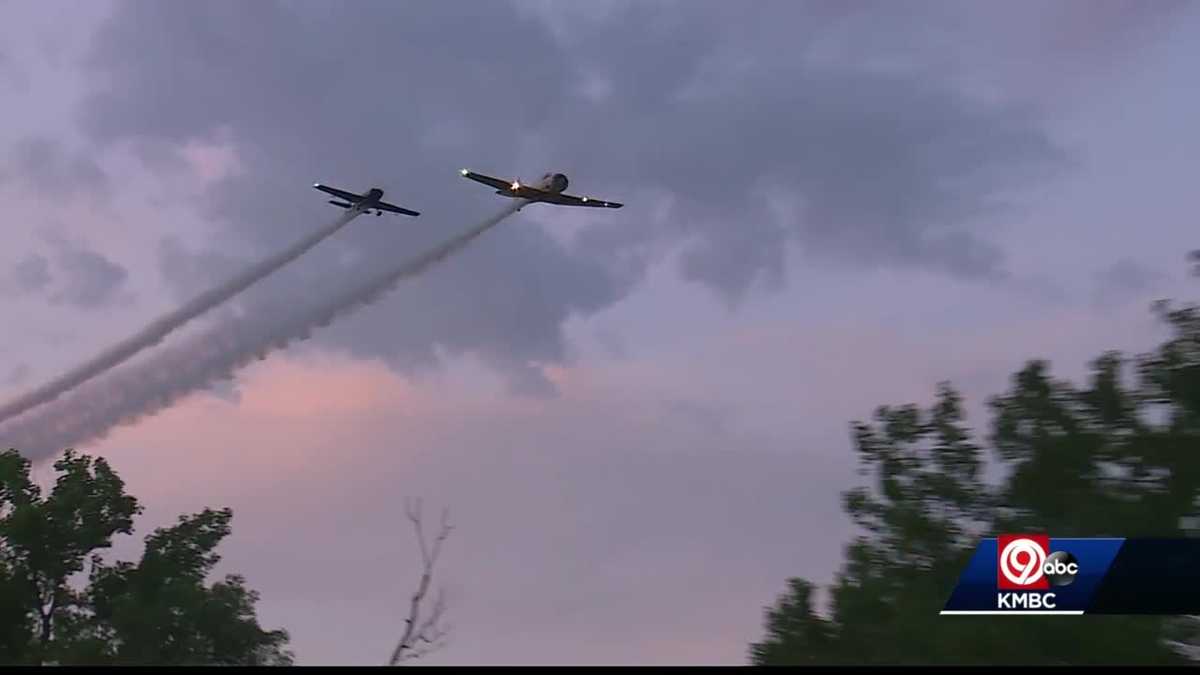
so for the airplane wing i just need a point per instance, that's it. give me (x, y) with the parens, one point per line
(348, 196)
(497, 183)
(384, 206)
(572, 200)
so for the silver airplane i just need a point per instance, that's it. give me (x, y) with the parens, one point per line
(371, 201)
(549, 190)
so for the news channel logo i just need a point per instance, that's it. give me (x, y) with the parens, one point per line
(1022, 574)
(1016, 574)
(1025, 563)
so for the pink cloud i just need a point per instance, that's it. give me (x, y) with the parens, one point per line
(295, 420)
(329, 388)
(212, 160)
(563, 504)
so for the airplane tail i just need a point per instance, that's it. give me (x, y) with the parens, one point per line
(335, 202)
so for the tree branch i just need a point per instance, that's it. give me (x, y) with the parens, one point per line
(428, 632)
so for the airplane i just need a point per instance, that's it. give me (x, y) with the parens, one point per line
(549, 190)
(372, 200)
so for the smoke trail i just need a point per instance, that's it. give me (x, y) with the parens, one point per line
(160, 328)
(130, 393)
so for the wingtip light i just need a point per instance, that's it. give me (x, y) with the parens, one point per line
(463, 172)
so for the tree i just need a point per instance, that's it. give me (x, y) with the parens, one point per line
(158, 611)
(423, 635)
(1110, 458)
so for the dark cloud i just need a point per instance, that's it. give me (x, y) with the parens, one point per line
(705, 418)
(87, 279)
(226, 390)
(44, 166)
(16, 375)
(700, 102)
(185, 268)
(30, 275)
(885, 168)
(1124, 279)
(83, 278)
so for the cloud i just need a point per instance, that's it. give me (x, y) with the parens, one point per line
(82, 278)
(43, 165)
(211, 160)
(185, 268)
(87, 279)
(883, 168)
(1125, 279)
(717, 121)
(616, 500)
(16, 375)
(561, 534)
(30, 275)
(11, 75)
(508, 305)
(1085, 28)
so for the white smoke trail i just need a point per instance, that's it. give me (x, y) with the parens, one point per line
(130, 393)
(160, 328)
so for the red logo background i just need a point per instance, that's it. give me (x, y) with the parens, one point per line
(1002, 542)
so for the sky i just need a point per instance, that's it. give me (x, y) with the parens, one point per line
(639, 419)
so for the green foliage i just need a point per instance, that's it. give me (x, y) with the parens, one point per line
(1109, 459)
(158, 611)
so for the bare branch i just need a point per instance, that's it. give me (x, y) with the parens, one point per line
(429, 627)
(424, 650)
(422, 637)
(442, 534)
(413, 510)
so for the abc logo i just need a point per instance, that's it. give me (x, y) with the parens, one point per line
(1060, 568)
(1025, 563)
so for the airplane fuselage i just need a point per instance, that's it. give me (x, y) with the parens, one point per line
(551, 182)
(369, 199)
